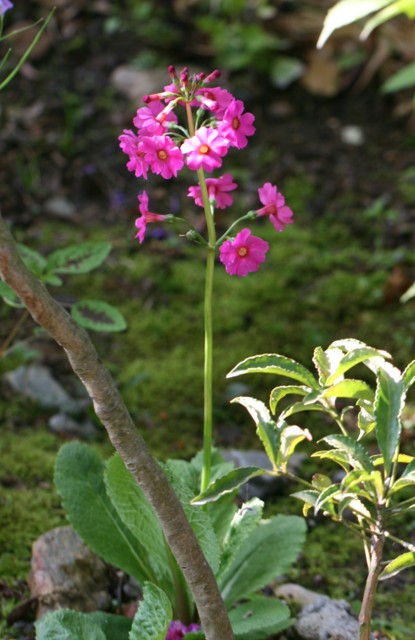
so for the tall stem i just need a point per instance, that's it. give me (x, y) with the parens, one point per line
(208, 321)
(375, 568)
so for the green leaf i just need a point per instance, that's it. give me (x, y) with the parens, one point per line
(402, 79)
(406, 480)
(350, 388)
(79, 480)
(326, 362)
(409, 294)
(389, 402)
(299, 407)
(408, 375)
(275, 364)
(32, 259)
(326, 498)
(345, 12)
(336, 455)
(309, 497)
(80, 258)
(259, 618)
(265, 426)
(404, 561)
(254, 565)
(354, 357)
(152, 620)
(137, 515)
(279, 393)
(228, 483)
(356, 454)
(389, 12)
(98, 316)
(285, 70)
(68, 625)
(245, 520)
(291, 436)
(9, 296)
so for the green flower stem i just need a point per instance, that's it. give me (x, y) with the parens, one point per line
(248, 216)
(208, 321)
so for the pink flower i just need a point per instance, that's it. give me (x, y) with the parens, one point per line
(205, 149)
(214, 99)
(146, 119)
(163, 156)
(243, 254)
(274, 206)
(217, 190)
(236, 125)
(132, 146)
(146, 216)
(177, 630)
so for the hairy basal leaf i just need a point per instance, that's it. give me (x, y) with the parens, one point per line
(98, 316)
(151, 622)
(69, 625)
(80, 258)
(32, 259)
(259, 619)
(275, 364)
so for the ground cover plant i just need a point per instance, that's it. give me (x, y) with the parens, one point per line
(170, 291)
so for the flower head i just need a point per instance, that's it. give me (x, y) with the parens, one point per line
(5, 5)
(146, 216)
(236, 125)
(274, 206)
(177, 630)
(243, 254)
(217, 190)
(132, 146)
(214, 99)
(146, 119)
(163, 156)
(205, 149)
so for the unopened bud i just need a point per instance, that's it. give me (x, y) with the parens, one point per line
(213, 76)
(172, 72)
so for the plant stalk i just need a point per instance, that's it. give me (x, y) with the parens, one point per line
(122, 431)
(375, 568)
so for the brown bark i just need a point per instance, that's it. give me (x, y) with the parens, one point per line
(123, 434)
(375, 569)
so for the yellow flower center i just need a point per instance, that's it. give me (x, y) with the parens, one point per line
(236, 123)
(162, 154)
(204, 149)
(242, 252)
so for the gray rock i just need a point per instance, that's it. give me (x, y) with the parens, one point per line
(261, 486)
(320, 618)
(65, 573)
(135, 83)
(60, 207)
(64, 425)
(36, 382)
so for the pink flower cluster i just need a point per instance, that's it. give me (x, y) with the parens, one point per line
(159, 145)
(162, 146)
(177, 630)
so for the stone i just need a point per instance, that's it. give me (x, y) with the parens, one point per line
(320, 617)
(65, 426)
(261, 486)
(37, 383)
(60, 207)
(65, 573)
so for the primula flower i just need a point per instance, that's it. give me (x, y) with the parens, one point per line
(217, 190)
(243, 254)
(163, 156)
(132, 146)
(146, 216)
(5, 5)
(214, 99)
(146, 119)
(177, 630)
(205, 149)
(274, 206)
(236, 125)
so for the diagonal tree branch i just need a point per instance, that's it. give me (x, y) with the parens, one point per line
(123, 434)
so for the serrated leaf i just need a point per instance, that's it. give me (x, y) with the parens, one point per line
(326, 497)
(32, 259)
(345, 12)
(389, 402)
(80, 258)
(245, 520)
(98, 316)
(365, 420)
(291, 436)
(228, 483)
(279, 393)
(275, 364)
(259, 619)
(326, 361)
(340, 457)
(404, 561)
(406, 480)
(352, 358)
(68, 625)
(350, 388)
(408, 375)
(357, 455)
(299, 407)
(79, 480)
(265, 426)
(309, 497)
(254, 566)
(138, 516)
(153, 617)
